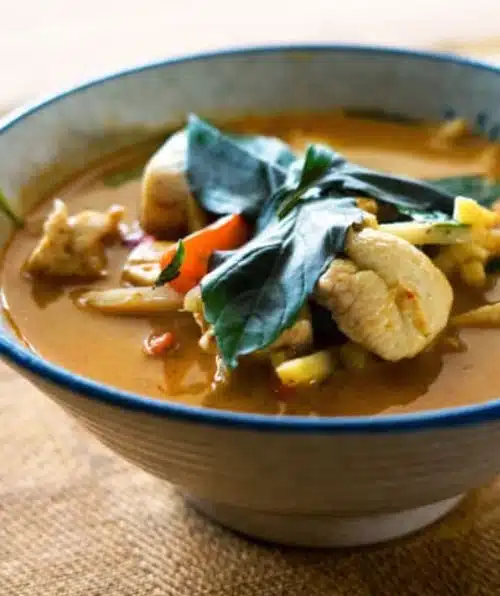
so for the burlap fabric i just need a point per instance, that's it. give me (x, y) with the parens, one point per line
(75, 520)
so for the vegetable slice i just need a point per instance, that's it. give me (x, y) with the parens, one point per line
(142, 274)
(421, 233)
(131, 301)
(142, 266)
(225, 234)
(470, 212)
(484, 316)
(148, 251)
(306, 370)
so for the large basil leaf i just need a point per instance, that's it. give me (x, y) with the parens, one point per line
(475, 187)
(409, 196)
(232, 174)
(257, 291)
(329, 174)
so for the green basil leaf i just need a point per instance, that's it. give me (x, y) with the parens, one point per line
(300, 184)
(257, 292)
(415, 199)
(232, 174)
(7, 209)
(268, 149)
(406, 194)
(173, 269)
(317, 162)
(475, 187)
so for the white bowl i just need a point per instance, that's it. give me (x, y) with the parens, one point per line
(302, 481)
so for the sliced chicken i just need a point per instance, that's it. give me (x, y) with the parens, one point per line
(73, 246)
(387, 295)
(168, 209)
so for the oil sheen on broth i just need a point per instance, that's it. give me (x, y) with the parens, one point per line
(108, 349)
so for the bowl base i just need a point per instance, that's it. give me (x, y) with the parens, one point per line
(323, 530)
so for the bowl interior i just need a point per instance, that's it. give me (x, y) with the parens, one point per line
(43, 144)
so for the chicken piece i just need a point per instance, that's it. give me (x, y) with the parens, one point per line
(387, 296)
(73, 246)
(295, 340)
(168, 210)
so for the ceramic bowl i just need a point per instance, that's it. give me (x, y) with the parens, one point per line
(301, 481)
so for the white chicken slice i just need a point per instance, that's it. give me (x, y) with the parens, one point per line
(73, 246)
(387, 296)
(167, 208)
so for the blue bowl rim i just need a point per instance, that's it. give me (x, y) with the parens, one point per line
(21, 357)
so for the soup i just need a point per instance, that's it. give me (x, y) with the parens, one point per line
(373, 330)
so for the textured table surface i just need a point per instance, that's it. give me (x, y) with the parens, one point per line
(77, 521)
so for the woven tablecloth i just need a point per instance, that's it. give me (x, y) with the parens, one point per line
(76, 520)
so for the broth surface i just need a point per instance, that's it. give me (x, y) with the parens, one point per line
(108, 349)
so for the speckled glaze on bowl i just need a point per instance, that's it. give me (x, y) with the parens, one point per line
(302, 481)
